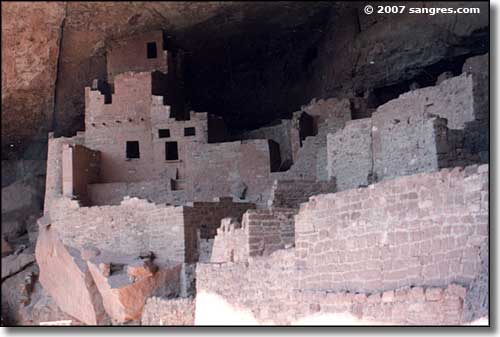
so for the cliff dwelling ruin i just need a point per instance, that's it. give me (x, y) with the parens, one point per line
(309, 170)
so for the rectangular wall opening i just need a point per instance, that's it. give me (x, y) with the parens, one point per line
(171, 151)
(189, 131)
(151, 48)
(164, 133)
(132, 149)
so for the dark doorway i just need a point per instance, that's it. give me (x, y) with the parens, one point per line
(133, 150)
(171, 151)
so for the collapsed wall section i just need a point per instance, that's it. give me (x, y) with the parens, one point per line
(461, 100)
(202, 220)
(311, 159)
(259, 233)
(421, 131)
(404, 251)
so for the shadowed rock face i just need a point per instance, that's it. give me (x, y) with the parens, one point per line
(249, 62)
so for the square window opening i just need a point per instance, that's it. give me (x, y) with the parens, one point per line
(132, 150)
(171, 151)
(151, 48)
(189, 131)
(164, 133)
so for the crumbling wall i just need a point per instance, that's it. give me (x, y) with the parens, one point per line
(311, 159)
(452, 99)
(134, 227)
(202, 219)
(424, 229)
(259, 232)
(421, 131)
(209, 214)
(271, 297)
(231, 242)
(350, 158)
(336, 112)
(291, 193)
(404, 251)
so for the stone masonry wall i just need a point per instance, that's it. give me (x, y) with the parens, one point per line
(418, 241)
(260, 232)
(421, 131)
(477, 132)
(168, 311)
(54, 175)
(281, 133)
(329, 116)
(133, 227)
(136, 113)
(425, 229)
(406, 146)
(452, 99)
(157, 191)
(231, 242)
(81, 166)
(202, 219)
(214, 168)
(291, 193)
(350, 158)
(271, 296)
(269, 230)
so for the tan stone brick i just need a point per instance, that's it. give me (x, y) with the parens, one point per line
(433, 294)
(416, 294)
(388, 296)
(456, 290)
